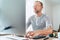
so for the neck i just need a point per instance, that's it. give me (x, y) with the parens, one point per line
(39, 14)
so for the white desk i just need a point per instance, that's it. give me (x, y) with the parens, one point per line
(11, 37)
(19, 38)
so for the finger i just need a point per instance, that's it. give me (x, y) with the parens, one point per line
(32, 34)
(30, 37)
(27, 35)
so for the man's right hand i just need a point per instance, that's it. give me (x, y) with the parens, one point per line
(29, 34)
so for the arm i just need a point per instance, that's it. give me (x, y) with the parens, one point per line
(28, 24)
(47, 31)
(44, 32)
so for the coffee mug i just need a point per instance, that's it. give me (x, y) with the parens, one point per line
(59, 35)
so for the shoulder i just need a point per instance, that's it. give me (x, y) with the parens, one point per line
(31, 17)
(46, 17)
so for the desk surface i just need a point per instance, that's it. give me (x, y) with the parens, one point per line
(3, 37)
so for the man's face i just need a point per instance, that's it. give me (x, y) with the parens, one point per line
(37, 7)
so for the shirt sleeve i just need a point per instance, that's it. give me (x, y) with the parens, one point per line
(28, 23)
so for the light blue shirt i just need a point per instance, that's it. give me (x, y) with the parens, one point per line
(39, 23)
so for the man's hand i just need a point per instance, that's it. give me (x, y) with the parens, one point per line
(29, 34)
(32, 34)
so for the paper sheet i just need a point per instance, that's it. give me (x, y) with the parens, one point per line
(10, 37)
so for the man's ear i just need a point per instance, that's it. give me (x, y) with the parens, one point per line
(42, 6)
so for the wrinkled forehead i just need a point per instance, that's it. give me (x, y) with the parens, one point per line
(38, 3)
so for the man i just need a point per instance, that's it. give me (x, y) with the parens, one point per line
(40, 22)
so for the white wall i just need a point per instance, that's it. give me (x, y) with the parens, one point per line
(48, 11)
(13, 13)
(53, 11)
(56, 16)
